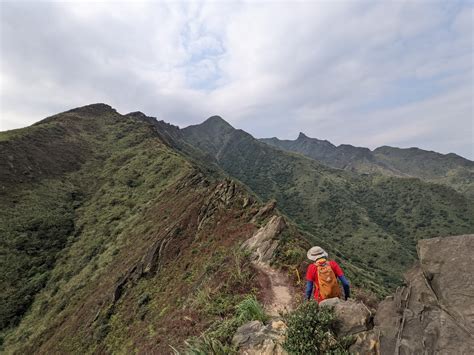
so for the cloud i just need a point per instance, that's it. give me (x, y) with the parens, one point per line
(364, 73)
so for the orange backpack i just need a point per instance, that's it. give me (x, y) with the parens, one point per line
(328, 285)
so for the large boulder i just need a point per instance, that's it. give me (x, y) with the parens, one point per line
(434, 312)
(352, 317)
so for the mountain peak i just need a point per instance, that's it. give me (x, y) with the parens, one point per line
(324, 142)
(217, 120)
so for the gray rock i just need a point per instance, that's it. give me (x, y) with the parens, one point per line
(256, 338)
(249, 334)
(353, 317)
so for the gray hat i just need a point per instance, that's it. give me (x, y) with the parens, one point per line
(316, 253)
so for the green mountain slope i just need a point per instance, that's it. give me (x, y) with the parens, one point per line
(374, 221)
(450, 169)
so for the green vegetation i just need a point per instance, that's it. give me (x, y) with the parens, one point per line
(311, 330)
(34, 227)
(36, 212)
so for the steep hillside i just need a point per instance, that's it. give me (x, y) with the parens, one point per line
(374, 221)
(450, 169)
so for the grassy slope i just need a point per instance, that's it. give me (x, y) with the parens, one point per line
(372, 221)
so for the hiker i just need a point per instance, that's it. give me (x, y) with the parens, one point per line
(323, 274)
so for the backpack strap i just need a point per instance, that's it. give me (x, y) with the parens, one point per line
(320, 263)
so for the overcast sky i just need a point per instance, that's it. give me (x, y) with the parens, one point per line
(367, 73)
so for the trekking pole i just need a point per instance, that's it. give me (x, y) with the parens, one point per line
(297, 273)
(298, 276)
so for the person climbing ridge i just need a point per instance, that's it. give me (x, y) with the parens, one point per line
(323, 274)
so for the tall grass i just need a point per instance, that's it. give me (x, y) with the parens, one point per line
(250, 309)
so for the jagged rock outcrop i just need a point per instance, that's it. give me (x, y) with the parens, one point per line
(434, 312)
(256, 338)
(264, 243)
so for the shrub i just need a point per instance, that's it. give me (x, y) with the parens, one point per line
(311, 331)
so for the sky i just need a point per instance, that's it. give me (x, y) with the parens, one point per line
(367, 73)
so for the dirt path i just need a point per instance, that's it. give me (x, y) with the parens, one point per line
(279, 296)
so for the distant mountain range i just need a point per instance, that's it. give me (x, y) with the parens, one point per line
(373, 219)
(122, 233)
(448, 169)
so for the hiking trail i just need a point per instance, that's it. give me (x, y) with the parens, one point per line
(279, 295)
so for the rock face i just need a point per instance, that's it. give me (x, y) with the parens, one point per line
(434, 312)
(263, 243)
(255, 338)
